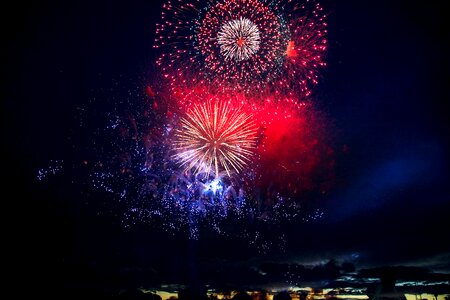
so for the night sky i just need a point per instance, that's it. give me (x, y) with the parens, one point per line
(384, 94)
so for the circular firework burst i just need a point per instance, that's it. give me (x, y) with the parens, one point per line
(239, 39)
(240, 74)
(215, 137)
(250, 46)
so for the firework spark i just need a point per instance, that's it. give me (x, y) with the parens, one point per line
(239, 39)
(213, 137)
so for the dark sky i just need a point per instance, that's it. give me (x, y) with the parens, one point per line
(385, 90)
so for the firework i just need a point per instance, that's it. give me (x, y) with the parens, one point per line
(242, 45)
(248, 44)
(238, 39)
(215, 137)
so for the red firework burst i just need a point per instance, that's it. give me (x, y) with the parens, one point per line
(250, 46)
(306, 48)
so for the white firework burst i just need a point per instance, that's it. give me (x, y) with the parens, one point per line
(215, 136)
(238, 39)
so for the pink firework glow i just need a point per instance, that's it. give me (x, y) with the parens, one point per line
(295, 154)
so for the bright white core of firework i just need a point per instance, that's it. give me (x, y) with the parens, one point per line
(238, 39)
